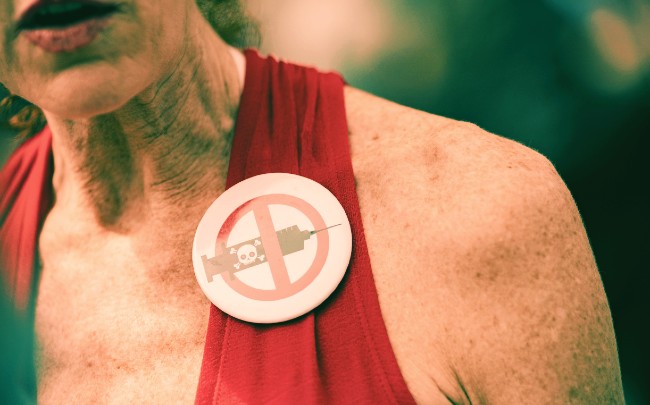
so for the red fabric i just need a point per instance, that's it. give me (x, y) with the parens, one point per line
(292, 119)
(25, 197)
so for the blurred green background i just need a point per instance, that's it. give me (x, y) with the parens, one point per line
(567, 78)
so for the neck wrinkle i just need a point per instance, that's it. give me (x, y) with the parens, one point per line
(164, 151)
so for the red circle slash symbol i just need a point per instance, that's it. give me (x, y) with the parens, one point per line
(274, 255)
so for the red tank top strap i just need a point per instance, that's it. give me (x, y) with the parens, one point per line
(292, 119)
(25, 198)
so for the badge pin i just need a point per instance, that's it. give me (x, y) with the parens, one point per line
(272, 248)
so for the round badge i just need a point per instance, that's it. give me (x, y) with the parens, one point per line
(272, 248)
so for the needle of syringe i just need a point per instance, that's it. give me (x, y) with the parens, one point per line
(324, 229)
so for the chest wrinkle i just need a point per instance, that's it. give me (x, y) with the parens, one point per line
(150, 267)
(115, 310)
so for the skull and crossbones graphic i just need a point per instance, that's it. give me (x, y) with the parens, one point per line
(247, 254)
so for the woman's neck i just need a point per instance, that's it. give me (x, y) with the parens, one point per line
(164, 150)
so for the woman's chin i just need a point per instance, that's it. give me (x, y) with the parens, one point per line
(84, 99)
(78, 108)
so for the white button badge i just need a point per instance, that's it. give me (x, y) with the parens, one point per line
(272, 248)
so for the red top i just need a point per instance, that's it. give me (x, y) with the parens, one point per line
(291, 119)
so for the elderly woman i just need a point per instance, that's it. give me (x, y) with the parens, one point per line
(482, 289)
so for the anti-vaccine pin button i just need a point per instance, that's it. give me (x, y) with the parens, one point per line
(272, 248)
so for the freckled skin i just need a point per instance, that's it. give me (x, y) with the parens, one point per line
(485, 276)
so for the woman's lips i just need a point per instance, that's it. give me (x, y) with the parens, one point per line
(66, 39)
(65, 25)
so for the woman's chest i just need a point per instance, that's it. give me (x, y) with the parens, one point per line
(123, 320)
(117, 327)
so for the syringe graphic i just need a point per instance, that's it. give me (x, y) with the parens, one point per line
(292, 239)
(245, 255)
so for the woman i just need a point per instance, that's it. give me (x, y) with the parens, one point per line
(483, 287)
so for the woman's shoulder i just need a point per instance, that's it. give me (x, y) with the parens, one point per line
(411, 144)
(477, 242)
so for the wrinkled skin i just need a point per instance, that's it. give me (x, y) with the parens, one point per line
(500, 303)
(125, 60)
(140, 121)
